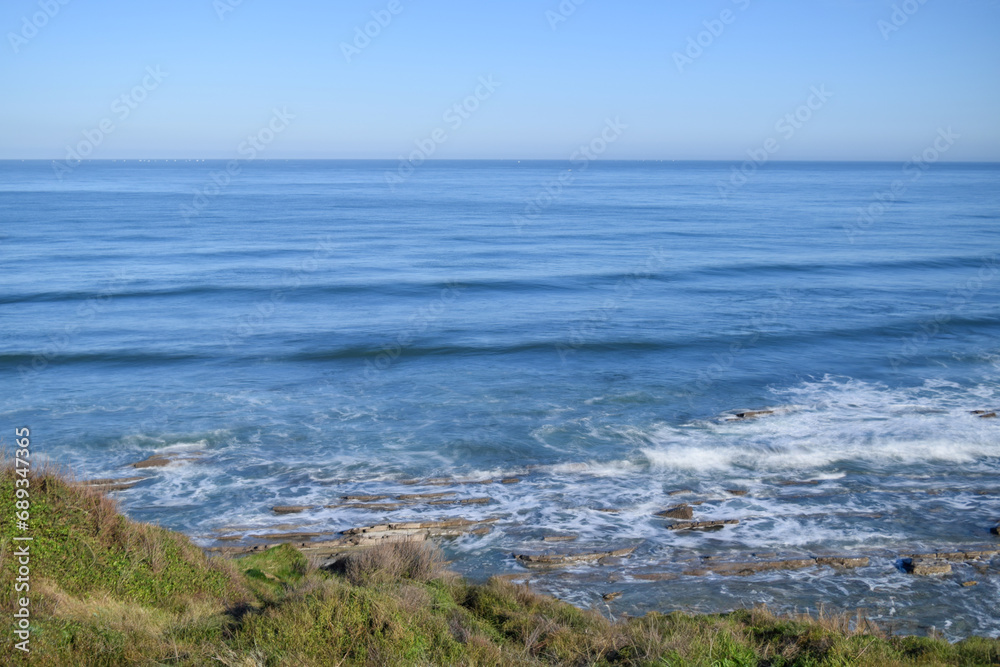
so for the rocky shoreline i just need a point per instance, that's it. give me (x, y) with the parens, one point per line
(966, 564)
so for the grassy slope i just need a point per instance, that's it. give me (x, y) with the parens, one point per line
(109, 591)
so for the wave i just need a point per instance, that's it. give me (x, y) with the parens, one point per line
(565, 282)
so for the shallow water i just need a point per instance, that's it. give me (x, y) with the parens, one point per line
(314, 333)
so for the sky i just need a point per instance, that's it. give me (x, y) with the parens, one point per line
(532, 79)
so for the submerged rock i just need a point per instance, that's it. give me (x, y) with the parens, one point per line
(559, 538)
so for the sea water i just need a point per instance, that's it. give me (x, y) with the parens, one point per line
(303, 330)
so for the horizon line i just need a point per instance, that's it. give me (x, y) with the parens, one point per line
(488, 159)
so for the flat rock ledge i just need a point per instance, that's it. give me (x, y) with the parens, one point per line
(925, 567)
(362, 537)
(743, 569)
(162, 460)
(702, 525)
(555, 560)
(108, 484)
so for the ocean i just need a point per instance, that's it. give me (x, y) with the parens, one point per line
(300, 331)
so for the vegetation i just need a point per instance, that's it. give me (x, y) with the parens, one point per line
(109, 591)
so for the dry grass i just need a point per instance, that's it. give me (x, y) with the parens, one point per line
(392, 561)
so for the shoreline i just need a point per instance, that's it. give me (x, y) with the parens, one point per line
(109, 589)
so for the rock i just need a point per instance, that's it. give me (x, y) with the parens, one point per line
(366, 536)
(464, 501)
(510, 480)
(293, 537)
(374, 507)
(425, 496)
(969, 584)
(677, 512)
(752, 414)
(957, 556)
(535, 560)
(984, 414)
(292, 509)
(702, 525)
(559, 538)
(926, 567)
(161, 460)
(655, 576)
(364, 499)
(447, 527)
(607, 510)
(155, 461)
(229, 538)
(110, 483)
(737, 492)
(843, 562)
(608, 597)
(749, 568)
(680, 492)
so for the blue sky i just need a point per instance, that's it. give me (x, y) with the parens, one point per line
(560, 71)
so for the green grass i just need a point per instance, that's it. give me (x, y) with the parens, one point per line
(110, 591)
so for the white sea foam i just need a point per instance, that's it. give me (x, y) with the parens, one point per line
(837, 423)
